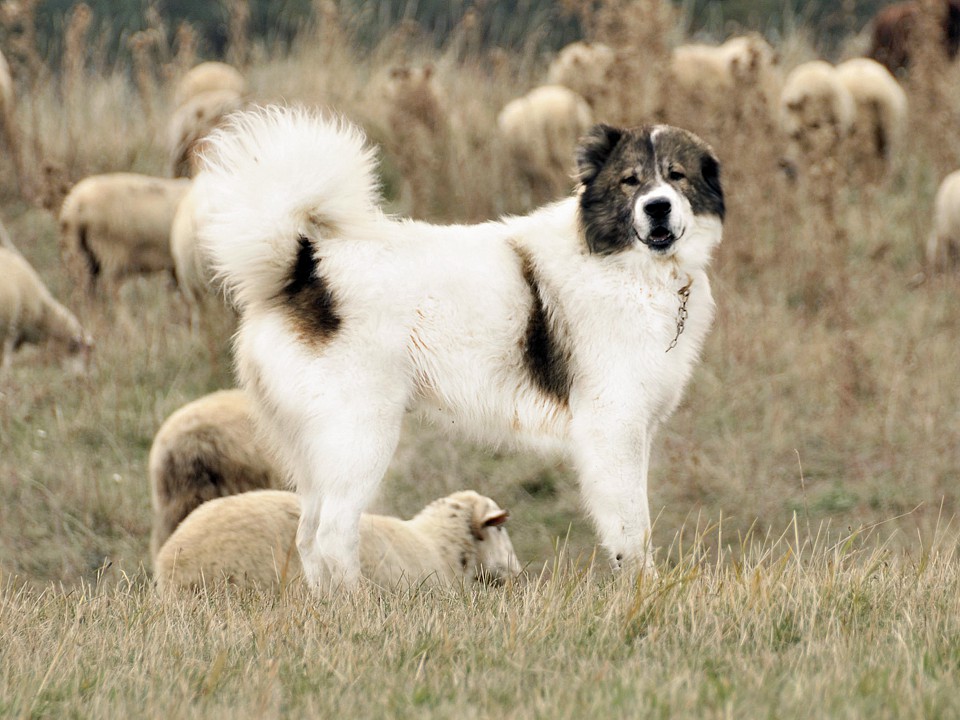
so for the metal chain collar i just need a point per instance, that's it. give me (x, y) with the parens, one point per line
(684, 294)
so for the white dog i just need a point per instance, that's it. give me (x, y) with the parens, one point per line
(573, 329)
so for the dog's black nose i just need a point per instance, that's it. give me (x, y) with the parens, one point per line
(657, 209)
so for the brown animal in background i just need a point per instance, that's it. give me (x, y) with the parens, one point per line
(892, 26)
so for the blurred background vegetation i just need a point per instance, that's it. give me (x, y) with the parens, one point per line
(510, 24)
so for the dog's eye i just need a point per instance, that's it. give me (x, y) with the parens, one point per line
(630, 180)
(676, 175)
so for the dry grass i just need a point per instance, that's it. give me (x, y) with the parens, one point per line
(827, 402)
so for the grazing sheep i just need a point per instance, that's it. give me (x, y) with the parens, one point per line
(30, 314)
(8, 121)
(208, 76)
(708, 72)
(583, 67)
(250, 539)
(891, 43)
(541, 130)
(118, 224)
(204, 450)
(943, 245)
(880, 117)
(192, 122)
(193, 272)
(816, 112)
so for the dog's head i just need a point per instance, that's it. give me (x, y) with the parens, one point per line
(654, 189)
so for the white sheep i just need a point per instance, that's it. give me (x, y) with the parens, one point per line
(8, 121)
(584, 67)
(250, 539)
(541, 130)
(943, 244)
(118, 224)
(204, 450)
(880, 117)
(209, 76)
(193, 121)
(191, 267)
(816, 112)
(30, 314)
(712, 72)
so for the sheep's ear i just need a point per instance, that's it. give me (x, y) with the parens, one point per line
(594, 150)
(497, 517)
(487, 517)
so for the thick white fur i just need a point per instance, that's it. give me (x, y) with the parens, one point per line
(29, 313)
(943, 245)
(433, 317)
(248, 539)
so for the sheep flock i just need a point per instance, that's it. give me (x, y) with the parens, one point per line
(221, 508)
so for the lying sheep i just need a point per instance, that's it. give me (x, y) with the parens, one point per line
(541, 130)
(208, 76)
(584, 67)
(880, 114)
(250, 539)
(118, 224)
(204, 450)
(193, 121)
(816, 112)
(30, 314)
(943, 245)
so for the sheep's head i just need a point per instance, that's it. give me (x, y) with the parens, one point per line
(481, 521)
(496, 558)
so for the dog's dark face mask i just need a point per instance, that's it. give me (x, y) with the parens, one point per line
(640, 184)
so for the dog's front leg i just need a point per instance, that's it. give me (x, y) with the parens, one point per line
(612, 461)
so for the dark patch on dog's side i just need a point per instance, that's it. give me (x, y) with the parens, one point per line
(544, 355)
(93, 263)
(313, 304)
(617, 166)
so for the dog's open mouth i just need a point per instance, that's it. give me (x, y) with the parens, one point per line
(659, 238)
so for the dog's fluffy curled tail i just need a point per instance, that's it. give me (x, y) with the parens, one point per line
(273, 176)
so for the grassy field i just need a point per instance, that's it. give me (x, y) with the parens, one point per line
(804, 493)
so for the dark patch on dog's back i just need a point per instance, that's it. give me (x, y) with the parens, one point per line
(544, 355)
(307, 295)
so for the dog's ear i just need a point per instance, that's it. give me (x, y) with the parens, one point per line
(710, 169)
(594, 150)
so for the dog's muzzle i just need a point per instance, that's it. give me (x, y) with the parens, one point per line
(656, 212)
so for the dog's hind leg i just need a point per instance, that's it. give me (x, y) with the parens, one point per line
(343, 455)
